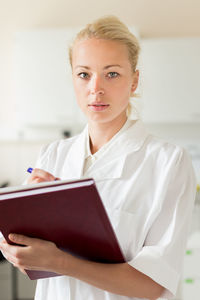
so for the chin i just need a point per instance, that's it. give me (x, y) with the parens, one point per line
(102, 119)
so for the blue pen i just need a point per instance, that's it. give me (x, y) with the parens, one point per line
(30, 170)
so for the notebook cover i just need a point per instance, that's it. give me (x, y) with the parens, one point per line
(73, 218)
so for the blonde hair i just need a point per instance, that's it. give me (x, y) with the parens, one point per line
(111, 28)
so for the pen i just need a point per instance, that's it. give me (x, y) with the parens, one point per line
(30, 170)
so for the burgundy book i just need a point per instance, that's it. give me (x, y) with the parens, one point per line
(68, 213)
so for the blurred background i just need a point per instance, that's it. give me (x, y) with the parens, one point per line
(37, 103)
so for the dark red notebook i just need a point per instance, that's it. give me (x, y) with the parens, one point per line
(70, 214)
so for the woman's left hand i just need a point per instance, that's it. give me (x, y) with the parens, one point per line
(36, 254)
(115, 278)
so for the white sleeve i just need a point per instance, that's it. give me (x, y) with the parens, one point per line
(161, 256)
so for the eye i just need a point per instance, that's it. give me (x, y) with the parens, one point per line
(113, 74)
(83, 75)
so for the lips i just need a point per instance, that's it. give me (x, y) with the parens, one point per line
(98, 106)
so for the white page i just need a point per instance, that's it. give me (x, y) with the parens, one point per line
(41, 188)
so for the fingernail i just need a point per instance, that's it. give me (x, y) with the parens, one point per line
(12, 236)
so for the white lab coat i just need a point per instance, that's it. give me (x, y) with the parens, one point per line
(148, 188)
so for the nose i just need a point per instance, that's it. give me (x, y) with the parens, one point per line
(96, 86)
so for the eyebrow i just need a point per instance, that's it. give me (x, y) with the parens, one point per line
(106, 67)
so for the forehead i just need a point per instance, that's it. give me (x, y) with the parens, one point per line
(101, 51)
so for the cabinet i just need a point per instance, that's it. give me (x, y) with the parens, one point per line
(170, 80)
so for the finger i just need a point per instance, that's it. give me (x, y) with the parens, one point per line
(43, 174)
(7, 253)
(6, 248)
(13, 254)
(39, 175)
(3, 242)
(21, 239)
(36, 180)
(23, 271)
(2, 246)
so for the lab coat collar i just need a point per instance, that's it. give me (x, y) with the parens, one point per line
(111, 164)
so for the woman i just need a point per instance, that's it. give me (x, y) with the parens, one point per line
(147, 185)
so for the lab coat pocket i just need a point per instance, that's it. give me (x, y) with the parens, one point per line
(123, 224)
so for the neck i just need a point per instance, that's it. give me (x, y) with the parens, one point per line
(101, 133)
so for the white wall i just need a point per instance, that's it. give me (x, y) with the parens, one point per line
(15, 158)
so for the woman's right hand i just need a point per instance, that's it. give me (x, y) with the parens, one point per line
(39, 175)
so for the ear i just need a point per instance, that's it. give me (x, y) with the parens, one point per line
(135, 82)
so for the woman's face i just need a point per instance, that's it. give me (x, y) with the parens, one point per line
(103, 79)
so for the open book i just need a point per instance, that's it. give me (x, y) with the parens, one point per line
(68, 213)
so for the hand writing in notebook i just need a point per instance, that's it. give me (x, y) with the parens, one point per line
(39, 175)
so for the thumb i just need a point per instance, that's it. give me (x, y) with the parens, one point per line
(21, 239)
